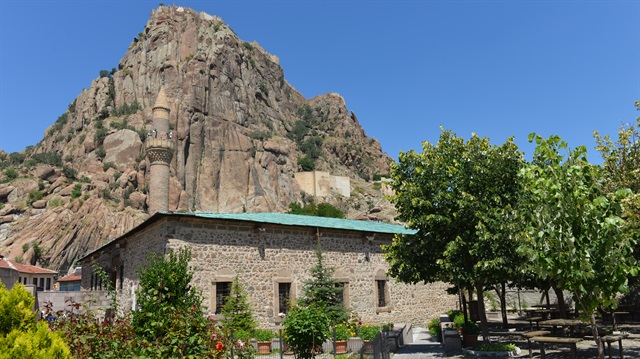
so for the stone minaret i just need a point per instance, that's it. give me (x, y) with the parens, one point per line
(159, 148)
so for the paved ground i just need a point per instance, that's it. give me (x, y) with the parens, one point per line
(425, 347)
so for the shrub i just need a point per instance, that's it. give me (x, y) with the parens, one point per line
(306, 328)
(10, 174)
(306, 163)
(38, 342)
(69, 172)
(50, 158)
(77, 191)
(247, 46)
(107, 165)
(100, 152)
(16, 309)
(434, 328)
(263, 335)
(34, 195)
(367, 331)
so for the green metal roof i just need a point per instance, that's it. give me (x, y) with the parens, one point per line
(306, 221)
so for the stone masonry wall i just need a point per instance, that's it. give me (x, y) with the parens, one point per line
(279, 254)
(264, 256)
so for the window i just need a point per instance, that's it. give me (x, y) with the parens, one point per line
(284, 296)
(70, 286)
(35, 281)
(284, 292)
(223, 290)
(383, 298)
(121, 272)
(48, 286)
(382, 292)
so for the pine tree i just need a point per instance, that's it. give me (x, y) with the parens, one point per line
(237, 310)
(322, 289)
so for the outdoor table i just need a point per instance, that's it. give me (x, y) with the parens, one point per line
(569, 323)
(545, 313)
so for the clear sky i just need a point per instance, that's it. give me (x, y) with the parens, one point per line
(497, 68)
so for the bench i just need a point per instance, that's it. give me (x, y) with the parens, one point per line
(534, 319)
(529, 335)
(557, 340)
(612, 339)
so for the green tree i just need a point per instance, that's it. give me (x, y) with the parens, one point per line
(575, 235)
(621, 160)
(460, 196)
(324, 291)
(237, 309)
(170, 312)
(20, 337)
(306, 327)
(318, 210)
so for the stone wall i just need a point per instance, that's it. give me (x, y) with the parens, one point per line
(267, 255)
(322, 184)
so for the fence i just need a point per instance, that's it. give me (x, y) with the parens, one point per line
(378, 348)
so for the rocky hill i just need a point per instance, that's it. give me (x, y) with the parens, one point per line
(241, 132)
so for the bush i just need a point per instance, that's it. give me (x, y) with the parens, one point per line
(38, 342)
(368, 331)
(69, 172)
(34, 195)
(434, 328)
(77, 191)
(16, 309)
(10, 174)
(306, 163)
(100, 152)
(306, 328)
(263, 335)
(107, 165)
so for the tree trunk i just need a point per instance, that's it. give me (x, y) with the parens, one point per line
(483, 314)
(596, 336)
(464, 306)
(502, 295)
(562, 305)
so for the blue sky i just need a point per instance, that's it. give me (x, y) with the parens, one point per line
(496, 68)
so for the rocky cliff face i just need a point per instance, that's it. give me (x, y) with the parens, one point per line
(241, 132)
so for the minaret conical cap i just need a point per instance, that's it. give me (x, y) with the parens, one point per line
(161, 100)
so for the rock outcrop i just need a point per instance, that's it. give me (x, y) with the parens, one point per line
(240, 130)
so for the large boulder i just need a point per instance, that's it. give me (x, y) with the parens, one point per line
(122, 147)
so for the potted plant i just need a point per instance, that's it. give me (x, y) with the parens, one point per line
(470, 331)
(367, 332)
(343, 333)
(263, 337)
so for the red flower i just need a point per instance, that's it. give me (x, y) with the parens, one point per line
(219, 346)
(359, 323)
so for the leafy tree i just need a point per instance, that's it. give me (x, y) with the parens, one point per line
(170, 312)
(575, 235)
(306, 327)
(318, 210)
(460, 196)
(237, 309)
(16, 309)
(621, 163)
(324, 291)
(20, 336)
